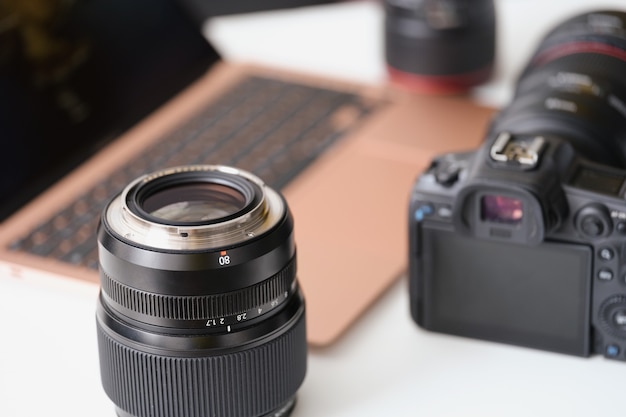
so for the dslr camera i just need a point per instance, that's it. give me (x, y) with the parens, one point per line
(523, 241)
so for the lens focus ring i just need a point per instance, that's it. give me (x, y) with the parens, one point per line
(250, 382)
(155, 308)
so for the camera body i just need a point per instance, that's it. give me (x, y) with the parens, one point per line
(523, 242)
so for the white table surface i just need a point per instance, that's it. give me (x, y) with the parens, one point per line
(385, 365)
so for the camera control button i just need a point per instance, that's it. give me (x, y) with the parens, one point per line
(605, 275)
(612, 351)
(594, 221)
(606, 254)
(444, 211)
(619, 318)
(592, 226)
(423, 211)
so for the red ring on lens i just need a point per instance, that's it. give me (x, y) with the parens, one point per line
(561, 50)
(438, 84)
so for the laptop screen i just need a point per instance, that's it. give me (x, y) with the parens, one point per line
(75, 74)
(206, 8)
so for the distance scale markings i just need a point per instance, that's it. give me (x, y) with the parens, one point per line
(228, 322)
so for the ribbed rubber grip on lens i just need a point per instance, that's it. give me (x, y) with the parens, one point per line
(245, 383)
(199, 307)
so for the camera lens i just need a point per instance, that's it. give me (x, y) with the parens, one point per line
(574, 87)
(200, 313)
(439, 46)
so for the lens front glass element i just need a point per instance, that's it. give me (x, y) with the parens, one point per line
(194, 202)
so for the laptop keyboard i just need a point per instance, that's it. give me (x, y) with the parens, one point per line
(272, 128)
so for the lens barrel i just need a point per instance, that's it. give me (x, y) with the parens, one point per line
(439, 46)
(574, 87)
(200, 312)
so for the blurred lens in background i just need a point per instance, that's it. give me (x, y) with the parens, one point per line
(439, 46)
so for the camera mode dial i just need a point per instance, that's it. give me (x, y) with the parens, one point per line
(447, 169)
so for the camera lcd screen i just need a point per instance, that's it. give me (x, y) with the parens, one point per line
(535, 296)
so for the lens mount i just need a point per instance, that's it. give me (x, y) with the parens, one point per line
(194, 207)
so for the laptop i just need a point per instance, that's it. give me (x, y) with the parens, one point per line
(125, 88)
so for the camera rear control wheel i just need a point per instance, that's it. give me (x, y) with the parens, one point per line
(613, 316)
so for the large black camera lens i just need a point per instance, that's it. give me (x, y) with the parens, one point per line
(200, 313)
(574, 87)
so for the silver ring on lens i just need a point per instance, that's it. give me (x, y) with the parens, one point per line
(195, 211)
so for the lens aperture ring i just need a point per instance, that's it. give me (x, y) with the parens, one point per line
(210, 311)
